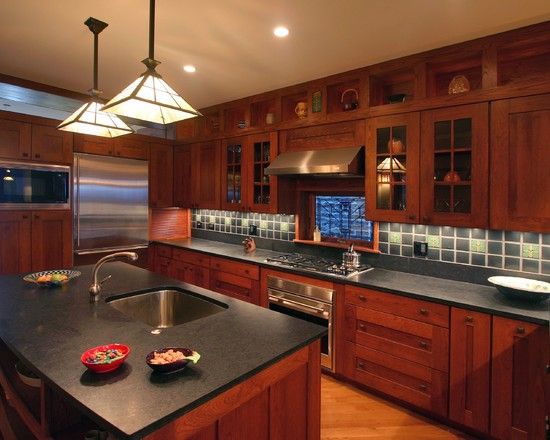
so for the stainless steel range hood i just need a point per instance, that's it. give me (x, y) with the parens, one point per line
(331, 162)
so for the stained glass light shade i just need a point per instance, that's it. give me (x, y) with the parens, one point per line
(91, 119)
(149, 98)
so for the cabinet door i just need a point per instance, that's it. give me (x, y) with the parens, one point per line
(520, 160)
(235, 286)
(261, 188)
(15, 251)
(470, 371)
(233, 175)
(51, 145)
(392, 168)
(84, 143)
(161, 176)
(131, 148)
(164, 266)
(51, 240)
(206, 175)
(519, 379)
(454, 179)
(183, 185)
(15, 140)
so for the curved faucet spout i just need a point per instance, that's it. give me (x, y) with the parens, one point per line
(95, 288)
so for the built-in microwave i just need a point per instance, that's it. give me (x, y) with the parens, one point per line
(34, 186)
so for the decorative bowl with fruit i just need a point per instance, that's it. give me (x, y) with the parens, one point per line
(105, 358)
(171, 359)
(51, 278)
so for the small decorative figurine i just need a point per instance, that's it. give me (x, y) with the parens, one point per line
(249, 245)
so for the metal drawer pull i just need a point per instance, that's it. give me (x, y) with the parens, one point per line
(362, 326)
(423, 344)
(520, 330)
(423, 387)
(469, 319)
(361, 365)
(424, 312)
(362, 297)
(298, 304)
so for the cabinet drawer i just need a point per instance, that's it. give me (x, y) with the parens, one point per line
(191, 257)
(235, 286)
(233, 267)
(163, 266)
(417, 384)
(164, 251)
(405, 338)
(418, 310)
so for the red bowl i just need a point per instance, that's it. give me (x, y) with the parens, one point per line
(104, 367)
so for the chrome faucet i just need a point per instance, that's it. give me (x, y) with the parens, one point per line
(95, 288)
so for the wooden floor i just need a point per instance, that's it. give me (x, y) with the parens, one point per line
(350, 414)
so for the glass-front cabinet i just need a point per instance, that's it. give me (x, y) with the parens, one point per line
(392, 169)
(454, 161)
(233, 173)
(262, 188)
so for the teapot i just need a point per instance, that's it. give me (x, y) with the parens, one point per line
(349, 104)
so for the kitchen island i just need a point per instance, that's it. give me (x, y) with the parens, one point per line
(258, 377)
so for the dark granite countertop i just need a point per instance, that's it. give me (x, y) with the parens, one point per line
(50, 328)
(456, 293)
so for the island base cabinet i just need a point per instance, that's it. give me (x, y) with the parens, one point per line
(520, 382)
(281, 402)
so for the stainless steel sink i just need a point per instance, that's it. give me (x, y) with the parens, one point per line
(165, 308)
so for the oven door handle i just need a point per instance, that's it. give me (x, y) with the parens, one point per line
(299, 306)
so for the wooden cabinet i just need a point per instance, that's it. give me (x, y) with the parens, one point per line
(51, 240)
(161, 176)
(35, 240)
(470, 369)
(51, 145)
(520, 382)
(234, 173)
(15, 251)
(520, 160)
(127, 146)
(15, 139)
(454, 157)
(197, 175)
(392, 168)
(398, 346)
(235, 279)
(191, 267)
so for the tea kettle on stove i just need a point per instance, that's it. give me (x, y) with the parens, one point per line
(350, 258)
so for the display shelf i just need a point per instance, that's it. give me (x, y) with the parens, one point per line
(383, 86)
(336, 103)
(523, 63)
(236, 118)
(259, 111)
(288, 105)
(440, 73)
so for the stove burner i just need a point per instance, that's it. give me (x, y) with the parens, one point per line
(315, 264)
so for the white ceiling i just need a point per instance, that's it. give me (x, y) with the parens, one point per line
(231, 41)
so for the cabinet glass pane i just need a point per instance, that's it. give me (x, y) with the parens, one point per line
(257, 152)
(442, 135)
(442, 198)
(237, 153)
(257, 173)
(399, 199)
(399, 139)
(463, 133)
(383, 196)
(463, 165)
(462, 198)
(442, 167)
(230, 157)
(382, 139)
(267, 152)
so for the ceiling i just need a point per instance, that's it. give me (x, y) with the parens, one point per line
(231, 41)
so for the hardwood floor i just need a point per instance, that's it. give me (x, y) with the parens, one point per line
(351, 414)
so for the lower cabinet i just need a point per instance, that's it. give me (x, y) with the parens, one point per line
(470, 372)
(35, 240)
(238, 280)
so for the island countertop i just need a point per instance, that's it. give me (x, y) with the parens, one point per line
(49, 329)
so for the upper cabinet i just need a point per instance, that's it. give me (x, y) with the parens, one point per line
(234, 173)
(392, 168)
(129, 146)
(197, 175)
(15, 139)
(520, 164)
(160, 176)
(454, 161)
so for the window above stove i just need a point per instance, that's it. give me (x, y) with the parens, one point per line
(343, 218)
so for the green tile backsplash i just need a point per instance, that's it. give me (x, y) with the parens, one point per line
(519, 251)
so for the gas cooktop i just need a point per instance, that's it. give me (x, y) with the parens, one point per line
(317, 264)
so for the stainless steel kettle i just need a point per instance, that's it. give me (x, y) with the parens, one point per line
(350, 258)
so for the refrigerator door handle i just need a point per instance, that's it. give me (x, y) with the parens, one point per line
(76, 187)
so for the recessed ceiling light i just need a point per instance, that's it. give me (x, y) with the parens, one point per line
(280, 31)
(189, 68)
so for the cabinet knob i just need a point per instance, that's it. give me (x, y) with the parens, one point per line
(362, 326)
(412, 217)
(520, 330)
(361, 365)
(423, 387)
(469, 319)
(423, 344)
(25, 154)
(25, 216)
(426, 219)
(110, 153)
(362, 298)
(37, 156)
(36, 217)
(424, 312)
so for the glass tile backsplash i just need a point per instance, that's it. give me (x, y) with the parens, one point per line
(516, 251)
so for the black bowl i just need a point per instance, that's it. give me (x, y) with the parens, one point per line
(172, 366)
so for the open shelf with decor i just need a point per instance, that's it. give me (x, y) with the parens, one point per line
(457, 74)
(263, 112)
(392, 87)
(344, 96)
(295, 106)
(236, 118)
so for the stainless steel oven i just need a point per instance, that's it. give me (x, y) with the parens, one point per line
(34, 186)
(305, 301)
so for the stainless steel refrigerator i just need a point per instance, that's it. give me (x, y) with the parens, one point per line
(110, 203)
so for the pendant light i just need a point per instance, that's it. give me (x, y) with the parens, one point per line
(90, 118)
(149, 98)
